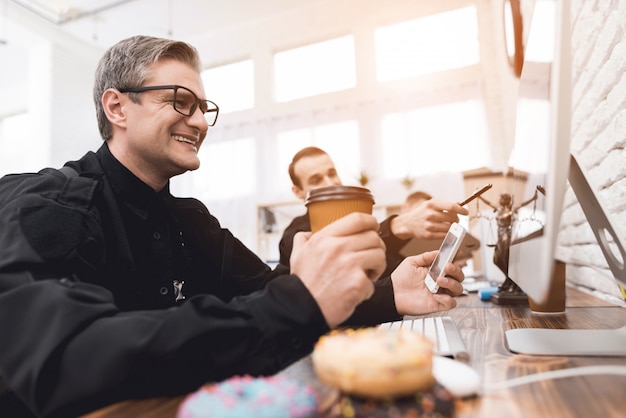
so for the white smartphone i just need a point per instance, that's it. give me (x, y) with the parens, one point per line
(447, 252)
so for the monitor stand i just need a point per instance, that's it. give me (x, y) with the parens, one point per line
(580, 342)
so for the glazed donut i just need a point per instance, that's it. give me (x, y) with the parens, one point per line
(245, 397)
(375, 363)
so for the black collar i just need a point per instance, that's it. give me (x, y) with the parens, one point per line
(134, 193)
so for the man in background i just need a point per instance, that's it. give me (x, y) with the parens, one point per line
(312, 167)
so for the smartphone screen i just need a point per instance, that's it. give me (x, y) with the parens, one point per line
(447, 252)
(447, 246)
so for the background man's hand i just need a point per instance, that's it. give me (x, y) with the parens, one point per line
(430, 220)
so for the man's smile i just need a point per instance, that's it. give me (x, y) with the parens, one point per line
(180, 138)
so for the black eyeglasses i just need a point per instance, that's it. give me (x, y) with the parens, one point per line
(184, 101)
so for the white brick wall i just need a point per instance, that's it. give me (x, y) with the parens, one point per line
(598, 134)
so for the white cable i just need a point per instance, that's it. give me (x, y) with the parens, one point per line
(555, 374)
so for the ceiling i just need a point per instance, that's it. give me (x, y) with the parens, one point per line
(104, 22)
(24, 24)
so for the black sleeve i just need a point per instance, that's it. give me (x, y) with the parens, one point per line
(381, 307)
(393, 244)
(67, 348)
(285, 247)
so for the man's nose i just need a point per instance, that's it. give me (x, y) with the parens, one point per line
(329, 181)
(198, 120)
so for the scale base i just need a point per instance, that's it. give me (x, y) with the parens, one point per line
(509, 293)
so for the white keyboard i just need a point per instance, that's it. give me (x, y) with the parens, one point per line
(441, 330)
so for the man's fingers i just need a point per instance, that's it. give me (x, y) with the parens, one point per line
(446, 206)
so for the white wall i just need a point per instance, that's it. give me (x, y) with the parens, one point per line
(598, 133)
(73, 126)
(52, 79)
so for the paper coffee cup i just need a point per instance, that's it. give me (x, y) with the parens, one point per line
(327, 204)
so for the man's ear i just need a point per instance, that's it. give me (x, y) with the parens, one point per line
(298, 192)
(113, 105)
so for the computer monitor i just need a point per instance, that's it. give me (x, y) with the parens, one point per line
(542, 147)
(543, 134)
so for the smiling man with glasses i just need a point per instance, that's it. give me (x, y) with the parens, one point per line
(113, 289)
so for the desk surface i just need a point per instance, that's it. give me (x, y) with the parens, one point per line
(482, 326)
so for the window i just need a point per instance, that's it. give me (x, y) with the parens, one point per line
(228, 169)
(230, 86)
(451, 137)
(315, 69)
(427, 45)
(340, 140)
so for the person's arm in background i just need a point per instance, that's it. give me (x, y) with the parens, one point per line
(429, 220)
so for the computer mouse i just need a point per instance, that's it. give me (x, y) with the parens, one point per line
(459, 378)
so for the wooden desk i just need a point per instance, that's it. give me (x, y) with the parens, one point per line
(482, 326)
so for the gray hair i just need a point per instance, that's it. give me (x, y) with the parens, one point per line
(129, 63)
